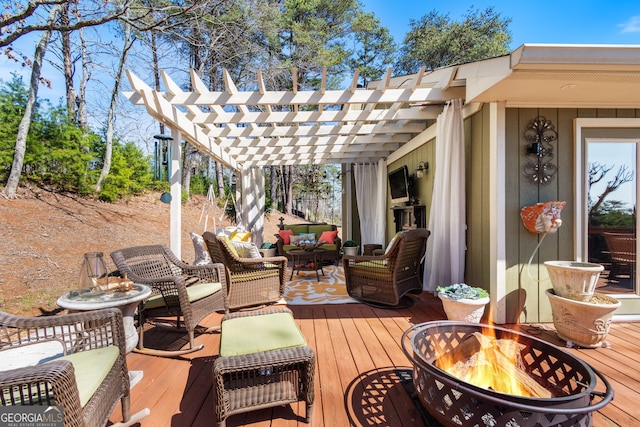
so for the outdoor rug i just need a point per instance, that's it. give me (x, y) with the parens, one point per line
(304, 289)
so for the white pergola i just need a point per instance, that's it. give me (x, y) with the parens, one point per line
(244, 130)
(248, 129)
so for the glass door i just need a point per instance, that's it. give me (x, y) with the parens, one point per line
(612, 192)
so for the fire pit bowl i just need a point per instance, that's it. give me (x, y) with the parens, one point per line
(454, 402)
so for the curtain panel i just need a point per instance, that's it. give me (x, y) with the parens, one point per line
(445, 255)
(371, 197)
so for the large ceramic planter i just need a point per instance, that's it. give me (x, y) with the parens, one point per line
(464, 310)
(583, 323)
(350, 250)
(573, 279)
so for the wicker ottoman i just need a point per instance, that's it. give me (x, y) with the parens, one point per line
(264, 361)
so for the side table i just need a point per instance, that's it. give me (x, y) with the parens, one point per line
(306, 261)
(127, 302)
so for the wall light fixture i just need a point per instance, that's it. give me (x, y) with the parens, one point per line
(539, 134)
(422, 168)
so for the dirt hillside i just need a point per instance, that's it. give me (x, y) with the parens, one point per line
(44, 237)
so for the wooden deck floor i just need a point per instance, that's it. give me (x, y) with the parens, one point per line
(362, 376)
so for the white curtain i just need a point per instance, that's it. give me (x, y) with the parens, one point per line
(371, 196)
(444, 259)
(251, 204)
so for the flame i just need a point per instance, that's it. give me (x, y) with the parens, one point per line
(492, 364)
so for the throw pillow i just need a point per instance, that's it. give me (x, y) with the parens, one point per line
(240, 236)
(246, 249)
(295, 240)
(329, 237)
(225, 241)
(202, 254)
(398, 234)
(308, 238)
(286, 236)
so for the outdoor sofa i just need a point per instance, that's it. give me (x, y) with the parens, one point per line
(327, 232)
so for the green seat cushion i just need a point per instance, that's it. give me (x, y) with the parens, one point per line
(196, 292)
(317, 229)
(254, 334)
(372, 269)
(91, 368)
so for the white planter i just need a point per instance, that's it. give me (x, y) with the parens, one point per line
(584, 323)
(573, 279)
(350, 251)
(268, 253)
(464, 310)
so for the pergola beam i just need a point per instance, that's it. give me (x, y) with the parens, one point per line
(319, 130)
(244, 128)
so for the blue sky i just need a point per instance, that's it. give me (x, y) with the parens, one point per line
(541, 21)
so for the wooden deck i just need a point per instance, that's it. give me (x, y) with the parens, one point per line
(362, 378)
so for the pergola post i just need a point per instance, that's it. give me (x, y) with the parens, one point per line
(175, 180)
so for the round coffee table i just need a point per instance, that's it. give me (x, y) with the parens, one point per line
(306, 261)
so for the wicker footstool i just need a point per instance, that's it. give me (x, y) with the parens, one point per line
(264, 361)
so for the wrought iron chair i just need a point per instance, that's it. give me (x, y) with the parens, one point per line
(383, 280)
(74, 361)
(250, 281)
(188, 292)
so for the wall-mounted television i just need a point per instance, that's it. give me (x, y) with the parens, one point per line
(399, 185)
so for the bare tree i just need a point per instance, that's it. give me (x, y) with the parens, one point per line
(273, 186)
(108, 146)
(220, 179)
(597, 173)
(20, 19)
(25, 123)
(82, 91)
(68, 65)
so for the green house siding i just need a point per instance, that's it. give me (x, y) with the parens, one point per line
(477, 266)
(423, 187)
(525, 297)
(526, 300)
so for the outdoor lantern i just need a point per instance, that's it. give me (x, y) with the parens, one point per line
(93, 268)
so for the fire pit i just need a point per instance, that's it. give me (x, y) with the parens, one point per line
(457, 403)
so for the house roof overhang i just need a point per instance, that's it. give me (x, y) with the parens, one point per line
(270, 128)
(565, 76)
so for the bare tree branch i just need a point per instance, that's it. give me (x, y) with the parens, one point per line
(13, 25)
(597, 172)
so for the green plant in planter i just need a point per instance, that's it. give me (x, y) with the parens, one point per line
(462, 291)
(350, 244)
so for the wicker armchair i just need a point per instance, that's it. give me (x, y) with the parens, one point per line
(251, 281)
(384, 280)
(51, 351)
(622, 251)
(189, 292)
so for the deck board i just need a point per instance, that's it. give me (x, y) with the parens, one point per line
(362, 375)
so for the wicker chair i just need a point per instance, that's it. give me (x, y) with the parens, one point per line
(64, 342)
(190, 292)
(383, 280)
(250, 281)
(622, 251)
